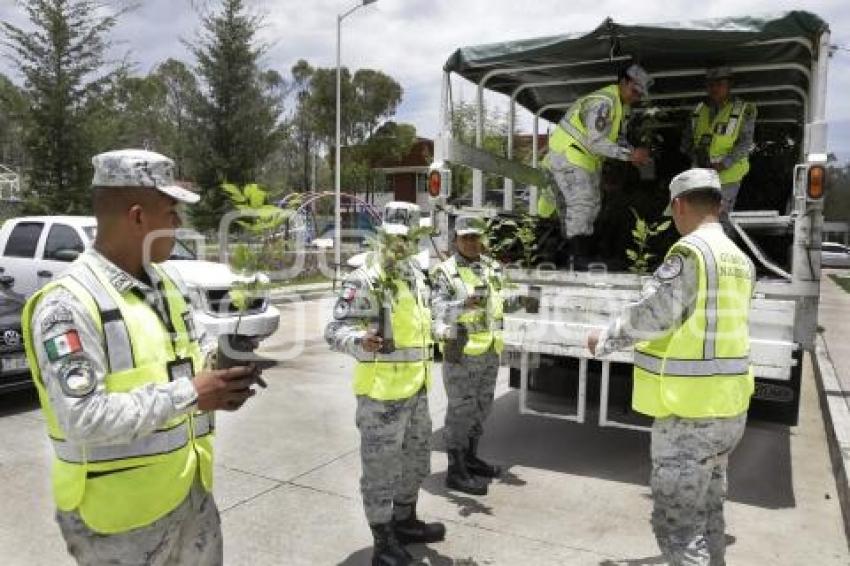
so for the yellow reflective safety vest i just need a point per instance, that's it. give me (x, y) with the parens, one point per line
(119, 487)
(569, 139)
(721, 134)
(402, 373)
(701, 369)
(484, 324)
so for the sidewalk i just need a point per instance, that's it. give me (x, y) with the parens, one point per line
(288, 470)
(832, 350)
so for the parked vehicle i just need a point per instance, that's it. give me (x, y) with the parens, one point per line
(14, 371)
(349, 236)
(36, 249)
(780, 66)
(834, 255)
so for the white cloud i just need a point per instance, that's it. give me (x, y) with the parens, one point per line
(411, 39)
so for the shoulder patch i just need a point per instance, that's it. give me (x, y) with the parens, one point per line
(59, 314)
(342, 308)
(63, 345)
(671, 268)
(76, 378)
(601, 123)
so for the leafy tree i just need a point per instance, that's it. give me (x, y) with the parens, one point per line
(239, 107)
(302, 122)
(130, 114)
(463, 123)
(152, 112)
(62, 59)
(181, 97)
(389, 144)
(13, 111)
(376, 98)
(322, 104)
(367, 99)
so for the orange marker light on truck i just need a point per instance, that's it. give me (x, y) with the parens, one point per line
(435, 182)
(817, 180)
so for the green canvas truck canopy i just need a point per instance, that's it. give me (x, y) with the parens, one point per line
(772, 59)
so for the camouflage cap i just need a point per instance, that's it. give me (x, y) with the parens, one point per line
(466, 224)
(718, 73)
(696, 179)
(139, 168)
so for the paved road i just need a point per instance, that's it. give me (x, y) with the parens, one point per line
(288, 468)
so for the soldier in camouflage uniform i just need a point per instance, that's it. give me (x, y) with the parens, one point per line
(468, 302)
(692, 370)
(720, 134)
(594, 128)
(382, 319)
(120, 372)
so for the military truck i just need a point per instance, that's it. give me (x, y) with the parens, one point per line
(780, 65)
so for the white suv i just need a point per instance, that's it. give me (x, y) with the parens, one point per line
(36, 249)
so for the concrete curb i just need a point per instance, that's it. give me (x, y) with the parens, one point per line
(300, 293)
(836, 416)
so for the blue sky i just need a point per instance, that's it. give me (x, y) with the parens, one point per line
(410, 39)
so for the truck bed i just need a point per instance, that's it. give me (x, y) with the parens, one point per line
(573, 303)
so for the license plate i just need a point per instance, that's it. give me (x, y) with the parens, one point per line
(14, 363)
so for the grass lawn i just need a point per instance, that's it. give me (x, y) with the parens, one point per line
(306, 280)
(843, 282)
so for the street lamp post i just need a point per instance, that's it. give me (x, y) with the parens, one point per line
(337, 172)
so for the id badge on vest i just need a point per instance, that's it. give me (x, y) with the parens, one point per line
(180, 368)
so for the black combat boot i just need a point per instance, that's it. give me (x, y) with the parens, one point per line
(388, 551)
(410, 530)
(459, 478)
(477, 466)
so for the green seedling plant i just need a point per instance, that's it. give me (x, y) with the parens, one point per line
(388, 252)
(506, 237)
(642, 233)
(263, 253)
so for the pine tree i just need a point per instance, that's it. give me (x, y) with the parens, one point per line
(62, 60)
(238, 112)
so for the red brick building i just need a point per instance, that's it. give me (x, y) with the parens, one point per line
(407, 178)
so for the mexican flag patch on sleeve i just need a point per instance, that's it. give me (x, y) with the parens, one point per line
(63, 345)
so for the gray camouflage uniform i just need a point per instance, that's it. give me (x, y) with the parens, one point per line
(88, 414)
(742, 148)
(689, 456)
(395, 436)
(471, 383)
(580, 199)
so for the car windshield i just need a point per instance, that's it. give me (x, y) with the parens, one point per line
(402, 216)
(182, 251)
